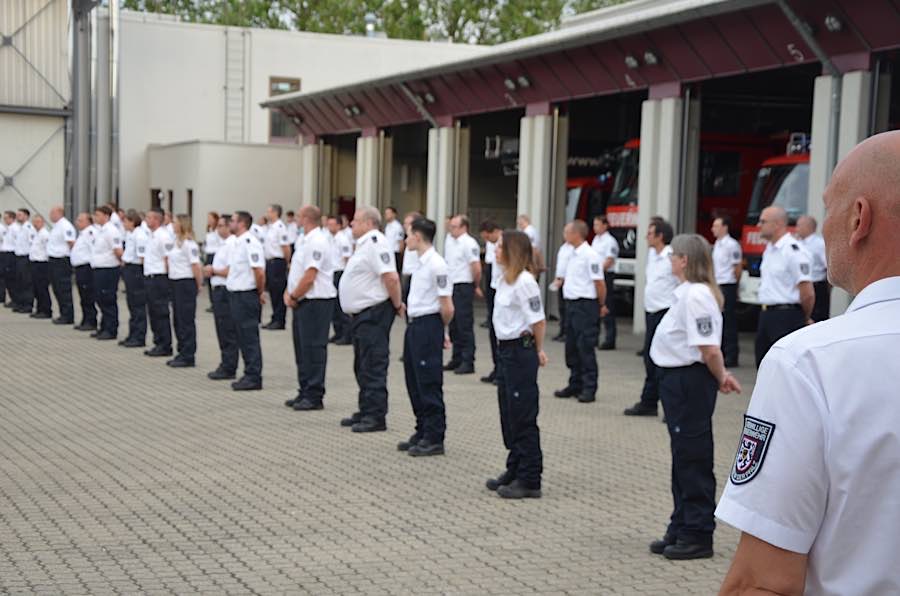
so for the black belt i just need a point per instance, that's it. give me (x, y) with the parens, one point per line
(421, 318)
(155, 275)
(781, 307)
(241, 291)
(133, 265)
(57, 258)
(368, 308)
(581, 299)
(275, 259)
(526, 341)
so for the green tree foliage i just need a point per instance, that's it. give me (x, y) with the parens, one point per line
(465, 21)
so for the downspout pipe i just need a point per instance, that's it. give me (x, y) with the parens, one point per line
(420, 107)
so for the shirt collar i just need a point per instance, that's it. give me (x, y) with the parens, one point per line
(784, 240)
(427, 254)
(366, 236)
(883, 290)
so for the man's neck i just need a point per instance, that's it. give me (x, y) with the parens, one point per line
(309, 228)
(778, 236)
(422, 248)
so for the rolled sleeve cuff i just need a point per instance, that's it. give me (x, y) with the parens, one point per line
(751, 522)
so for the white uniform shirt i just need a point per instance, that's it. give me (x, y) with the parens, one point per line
(726, 253)
(38, 252)
(460, 253)
(410, 261)
(116, 221)
(246, 254)
(259, 232)
(816, 467)
(181, 257)
(532, 234)
(341, 250)
(348, 233)
(361, 285)
(607, 247)
(785, 265)
(429, 282)
(490, 257)
(170, 228)
(276, 237)
(159, 243)
(315, 252)
(220, 259)
(62, 233)
(212, 243)
(135, 246)
(815, 248)
(293, 231)
(24, 238)
(9, 237)
(583, 268)
(661, 284)
(81, 252)
(693, 320)
(517, 307)
(562, 258)
(106, 240)
(393, 232)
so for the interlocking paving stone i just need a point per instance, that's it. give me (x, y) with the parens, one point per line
(122, 476)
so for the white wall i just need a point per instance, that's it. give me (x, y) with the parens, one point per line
(172, 79)
(226, 177)
(40, 180)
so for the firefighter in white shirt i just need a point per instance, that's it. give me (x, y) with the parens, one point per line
(691, 369)
(727, 260)
(7, 258)
(818, 272)
(186, 278)
(785, 288)
(520, 327)
(605, 245)
(523, 223)
(814, 483)
(106, 252)
(370, 293)
(563, 254)
(410, 259)
(277, 247)
(311, 295)
(156, 283)
(136, 240)
(211, 244)
(429, 308)
(658, 292)
(84, 275)
(293, 228)
(490, 234)
(59, 251)
(226, 333)
(463, 257)
(245, 279)
(394, 233)
(342, 249)
(40, 269)
(24, 237)
(584, 291)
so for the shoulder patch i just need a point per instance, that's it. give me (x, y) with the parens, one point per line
(254, 257)
(194, 252)
(795, 247)
(475, 252)
(752, 449)
(385, 258)
(442, 281)
(316, 255)
(169, 245)
(804, 268)
(534, 304)
(704, 326)
(595, 268)
(248, 241)
(284, 238)
(374, 238)
(736, 254)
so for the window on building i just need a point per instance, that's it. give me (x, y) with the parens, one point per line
(281, 128)
(155, 197)
(720, 173)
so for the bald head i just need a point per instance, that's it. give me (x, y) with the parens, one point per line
(806, 226)
(773, 223)
(862, 203)
(309, 216)
(56, 213)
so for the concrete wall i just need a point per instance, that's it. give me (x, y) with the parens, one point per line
(172, 81)
(40, 180)
(226, 177)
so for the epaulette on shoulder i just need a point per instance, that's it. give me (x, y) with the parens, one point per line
(795, 247)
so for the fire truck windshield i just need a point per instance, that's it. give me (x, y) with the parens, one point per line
(786, 186)
(625, 188)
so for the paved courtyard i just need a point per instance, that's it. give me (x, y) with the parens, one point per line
(120, 475)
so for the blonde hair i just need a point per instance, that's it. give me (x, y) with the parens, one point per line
(517, 255)
(699, 269)
(186, 226)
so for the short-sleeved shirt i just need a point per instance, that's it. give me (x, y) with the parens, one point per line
(38, 252)
(159, 243)
(245, 255)
(460, 253)
(293, 231)
(726, 254)
(8, 243)
(785, 264)
(342, 250)
(583, 268)
(212, 243)
(135, 246)
(220, 260)
(490, 257)
(532, 234)
(393, 232)
(24, 238)
(182, 257)
(562, 259)
(62, 233)
(116, 221)
(607, 247)
(660, 287)
(815, 248)
(694, 320)
(361, 285)
(276, 237)
(106, 241)
(315, 252)
(410, 261)
(429, 282)
(259, 232)
(517, 307)
(81, 252)
(816, 465)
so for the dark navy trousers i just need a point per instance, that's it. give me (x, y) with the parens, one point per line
(61, 282)
(371, 330)
(87, 295)
(106, 285)
(245, 309)
(225, 330)
(136, 298)
(517, 394)
(157, 287)
(184, 313)
(40, 283)
(582, 320)
(650, 392)
(462, 327)
(276, 283)
(423, 344)
(310, 324)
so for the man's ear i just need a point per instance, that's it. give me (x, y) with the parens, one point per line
(860, 221)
